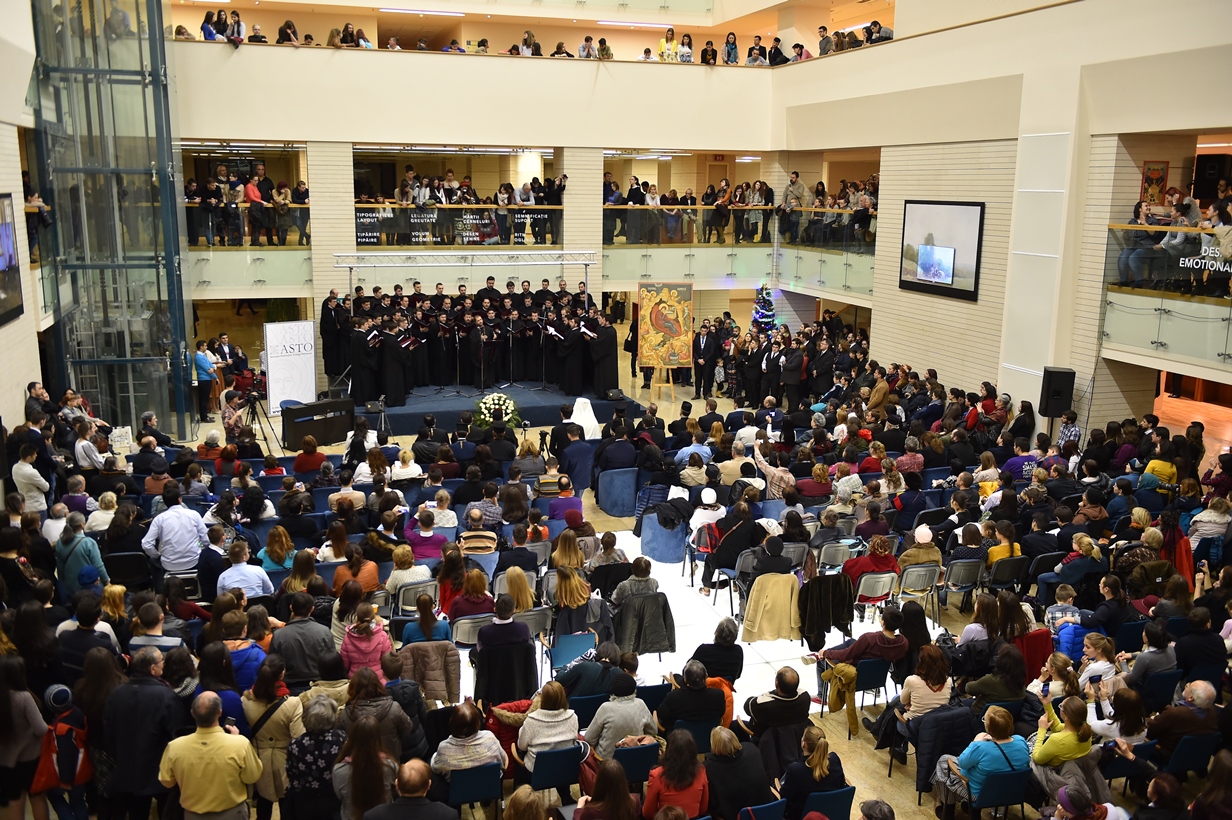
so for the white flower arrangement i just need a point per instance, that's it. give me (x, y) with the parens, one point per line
(486, 407)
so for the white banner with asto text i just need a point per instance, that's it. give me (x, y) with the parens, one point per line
(291, 363)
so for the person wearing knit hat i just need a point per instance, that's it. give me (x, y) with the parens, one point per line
(768, 559)
(71, 800)
(923, 551)
(623, 715)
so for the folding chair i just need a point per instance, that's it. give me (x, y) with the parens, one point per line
(744, 564)
(963, 577)
(465, 631)
(873, 588)
(1192, 754)
(1120, 767)
(700, 729)
(920, 581)
(1006, 573)
(795, 552)
(408, 594)
(637, 761)
(1002, 790)
(834, 554)
(586, 707)
(1158, 689)
(652, 696)
(835, 805)
(569, 648)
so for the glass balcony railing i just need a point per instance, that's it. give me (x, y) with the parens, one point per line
(1166, 293)
(817, 247)
(232, 226)
(392, 225)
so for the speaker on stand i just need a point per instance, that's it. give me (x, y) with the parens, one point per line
(1056, 393)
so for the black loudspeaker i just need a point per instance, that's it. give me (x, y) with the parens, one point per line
(1056, 392)
(1208, 170)
(615, 394)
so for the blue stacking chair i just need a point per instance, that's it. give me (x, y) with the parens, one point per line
(652, 696)
(262, 528)
(934, 474)
(307, 478)
(320, 497)
(558, 768)
(1192, 754)
(700, 729)
(586, 707)
(1129, 637)
(269, 483)
(835, 805)
(287, 463)
(277, 576)
(219, 484)
(555, 527)
(773, 508)
(637, 762)
(206, 465)
(1002, 790)
(452, 484)
(326, 571)
(569, 648)
(1177, 627)
(335, 460)
(617, 492)
(865, 478)
(543, 505)
(479, 784)
(1120, 767)
(662, 545)
(450, 533)
(766, 811)
(275, 496)
(1159, 687)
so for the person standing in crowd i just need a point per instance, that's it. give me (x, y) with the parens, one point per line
(213, 767)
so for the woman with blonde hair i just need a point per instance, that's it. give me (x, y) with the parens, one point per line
(1059, 675)
(1085, 557)
(819, 771)
(736, 774)
(113, 603)
(443, 516)
(988, 471)
(529, 460)
(406, 468)
(892, 481)
(405, 570)
(875, 460)
(279, 552)
(567, 552)
(519, 589)
(571, 591)
(100, 519)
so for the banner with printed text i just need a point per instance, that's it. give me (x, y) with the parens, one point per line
(665, 325)
(291, 363)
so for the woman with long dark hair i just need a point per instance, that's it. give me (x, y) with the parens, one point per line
(678, 780)
(357, 568)
(368, 697)
(428, 627)
(254, 506)
(364, 773)
(37, 645)
(344, 609)
(610, 799)
(450, 575)
(281, 727)
(217, 675)
(21, 740)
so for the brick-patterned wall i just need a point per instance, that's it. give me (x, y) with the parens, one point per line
(962, 340)
(583, 219)
(333, 225)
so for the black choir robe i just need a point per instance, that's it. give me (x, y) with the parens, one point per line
(603, 353)
(365, 362)
(574, 361)
(393, 362)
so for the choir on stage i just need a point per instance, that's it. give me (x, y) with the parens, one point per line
(392, 344)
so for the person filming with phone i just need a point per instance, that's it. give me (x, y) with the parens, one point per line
(214, 766)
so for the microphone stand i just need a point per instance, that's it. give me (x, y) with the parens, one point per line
(457, 370)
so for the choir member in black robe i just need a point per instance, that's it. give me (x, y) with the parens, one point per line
(515, 340)
(544, 293)
(574, 361)
(393, 360)
(603, 353)
(475, 342)
(365, 362)
(419, 330)
(332, 334)
(533, 347)
(495, 351)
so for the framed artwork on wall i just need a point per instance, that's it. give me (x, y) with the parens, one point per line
(11, 304)
(1154, 182)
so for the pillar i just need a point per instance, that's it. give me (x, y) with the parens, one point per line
(583, 220)
(332, 226)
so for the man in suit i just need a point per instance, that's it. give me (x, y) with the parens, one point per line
(879, 393)
(894, 439)
(705, 356)
(144, 457)
(616, 453)
(414, 778)
(226, 352)
(707, 421)
(757, 48)
(149, 427)
(576, 459)
(560, 433)
(772, 371)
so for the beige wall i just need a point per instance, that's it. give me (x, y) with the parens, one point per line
(920, 16)
(963, 342)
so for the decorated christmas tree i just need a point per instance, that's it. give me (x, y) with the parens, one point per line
(763, 310)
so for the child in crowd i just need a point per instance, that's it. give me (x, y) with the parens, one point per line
(1063, 608)
(536, 530)
(272, 467)
(629, 663)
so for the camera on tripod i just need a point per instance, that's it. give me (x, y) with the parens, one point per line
(252, 397)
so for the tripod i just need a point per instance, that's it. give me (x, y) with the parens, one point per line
(382, 422)
(254, 415)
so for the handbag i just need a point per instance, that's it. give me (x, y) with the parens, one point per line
(630, 344)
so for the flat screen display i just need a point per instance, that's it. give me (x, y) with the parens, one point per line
(941, 248)
(11, 305)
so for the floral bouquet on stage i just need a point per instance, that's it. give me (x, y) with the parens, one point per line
(494, 404)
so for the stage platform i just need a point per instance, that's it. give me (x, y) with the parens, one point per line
(540, 407)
